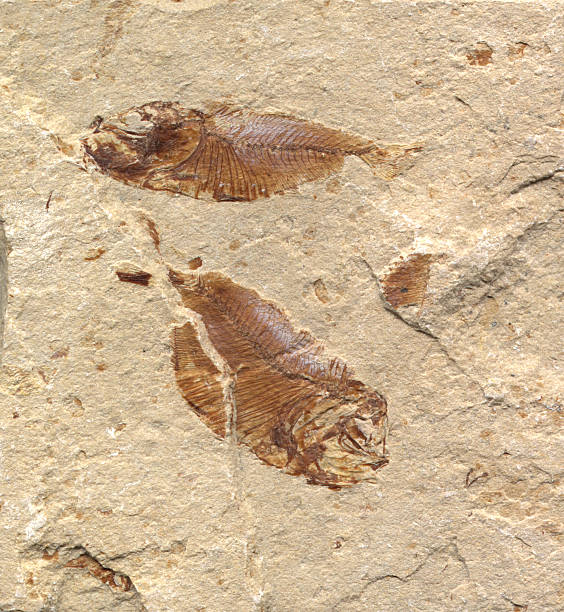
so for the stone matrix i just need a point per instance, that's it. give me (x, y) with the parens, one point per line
(114, 496)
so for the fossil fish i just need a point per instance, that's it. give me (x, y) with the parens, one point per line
(227, 153)
(274, 390)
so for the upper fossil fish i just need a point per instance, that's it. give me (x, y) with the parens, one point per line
(227, 153)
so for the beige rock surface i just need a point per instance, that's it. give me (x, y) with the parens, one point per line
(100, 457)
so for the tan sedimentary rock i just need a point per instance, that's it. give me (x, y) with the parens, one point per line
(101, 458)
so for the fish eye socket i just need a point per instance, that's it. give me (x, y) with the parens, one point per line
(136, 120)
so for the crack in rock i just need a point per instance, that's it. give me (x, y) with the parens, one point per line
(537, 179)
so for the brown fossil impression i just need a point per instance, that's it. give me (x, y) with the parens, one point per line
(227, 153)
(106, 575)
(272, 389)
(132, 274)
(405, 281)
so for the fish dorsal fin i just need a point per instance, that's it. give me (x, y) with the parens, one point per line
(245, 127)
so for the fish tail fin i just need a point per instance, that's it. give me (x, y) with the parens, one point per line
(391, 160)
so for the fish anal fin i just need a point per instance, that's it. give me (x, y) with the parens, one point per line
(198, 379)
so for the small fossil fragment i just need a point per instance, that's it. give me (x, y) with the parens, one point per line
(405, 283)
(195, 263)
(516, 51)
(320, 291)
(153, 231)
(295, 408)
(106, 575)
(94, 254)
(472, 476)
(227, 153)
(481, 55)
(134, 275)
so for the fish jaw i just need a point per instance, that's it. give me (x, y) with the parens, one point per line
(110, 154)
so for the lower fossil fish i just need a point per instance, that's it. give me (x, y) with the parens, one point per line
(272, 389)
(227, 153)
